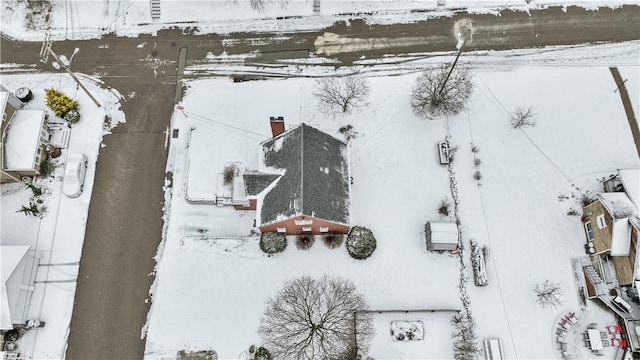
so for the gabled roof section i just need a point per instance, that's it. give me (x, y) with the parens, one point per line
(618, 205)
(4, 97)
(631, 181)
(22, 139)
(256, 182)
(444, 232)
(10, 257)
(315, 180)
(620, 237)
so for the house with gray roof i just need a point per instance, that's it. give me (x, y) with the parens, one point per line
(302, 183)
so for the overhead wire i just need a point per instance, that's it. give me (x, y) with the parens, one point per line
(239, 130)
(531, 141)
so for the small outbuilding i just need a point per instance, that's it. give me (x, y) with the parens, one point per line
(441, 236)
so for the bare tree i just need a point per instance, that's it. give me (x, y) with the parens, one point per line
(260, 5)
(548, 294)
(523, 117)
(316, 319)
(342, 93)
(438, 93)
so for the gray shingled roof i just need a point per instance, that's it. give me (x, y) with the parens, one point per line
(254, 183)
(315, 180)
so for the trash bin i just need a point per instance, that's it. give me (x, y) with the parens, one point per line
(24, 94)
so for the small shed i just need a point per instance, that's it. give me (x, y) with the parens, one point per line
(441, 236)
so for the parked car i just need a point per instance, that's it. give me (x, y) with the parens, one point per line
(74, 175)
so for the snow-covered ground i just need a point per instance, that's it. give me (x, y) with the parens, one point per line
(210, 285)
(57, 236)
(212, 280)
(94, 18)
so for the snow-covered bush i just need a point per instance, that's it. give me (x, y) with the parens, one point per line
(333, 241)
(465, 339)
(272, 242)
(259, 353)
(46, 168)
(443, 209)
(360, 242)
(304, 242)
(228, 174)
(72, 116)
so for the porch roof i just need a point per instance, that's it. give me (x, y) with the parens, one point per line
(10, 257)
(23, 139)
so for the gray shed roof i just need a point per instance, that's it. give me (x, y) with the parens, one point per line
(315, 180)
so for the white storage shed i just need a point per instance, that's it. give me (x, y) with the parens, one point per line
(441, 236)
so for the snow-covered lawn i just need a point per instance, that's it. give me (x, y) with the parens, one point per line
(208, 289)
(239, 277)
(57, 236)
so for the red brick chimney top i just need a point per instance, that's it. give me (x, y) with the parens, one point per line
(277, 125)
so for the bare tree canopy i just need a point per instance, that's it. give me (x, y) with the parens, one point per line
(343, 93)
(548, 294)
(436, 93)
(523, 117)
(260, 5)
(314, 319)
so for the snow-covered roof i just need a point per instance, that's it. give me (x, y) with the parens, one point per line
(315, 180)
(618, 205)
(631, 181)
(620, 237)
(10, 257)
(4, 96)
(444, 232)
(255, 182)
(22, 139)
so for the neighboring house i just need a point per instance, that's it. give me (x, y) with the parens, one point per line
(612, 223)
(612, 226)
(302, 184)
(23, 136)
(18, 267)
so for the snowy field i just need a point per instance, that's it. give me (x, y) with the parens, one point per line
(208, 288)
(94, 18)
(57, 236)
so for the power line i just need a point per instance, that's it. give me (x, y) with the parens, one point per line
(203, 118)
(508, 115)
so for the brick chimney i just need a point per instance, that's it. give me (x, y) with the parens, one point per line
(277, 125)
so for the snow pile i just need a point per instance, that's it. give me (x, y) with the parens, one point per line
(94, 18)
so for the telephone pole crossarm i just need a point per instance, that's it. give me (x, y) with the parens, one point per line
(46, 50)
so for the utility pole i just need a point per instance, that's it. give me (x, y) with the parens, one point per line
(46, 50)
(462, 38)
(460, 43)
